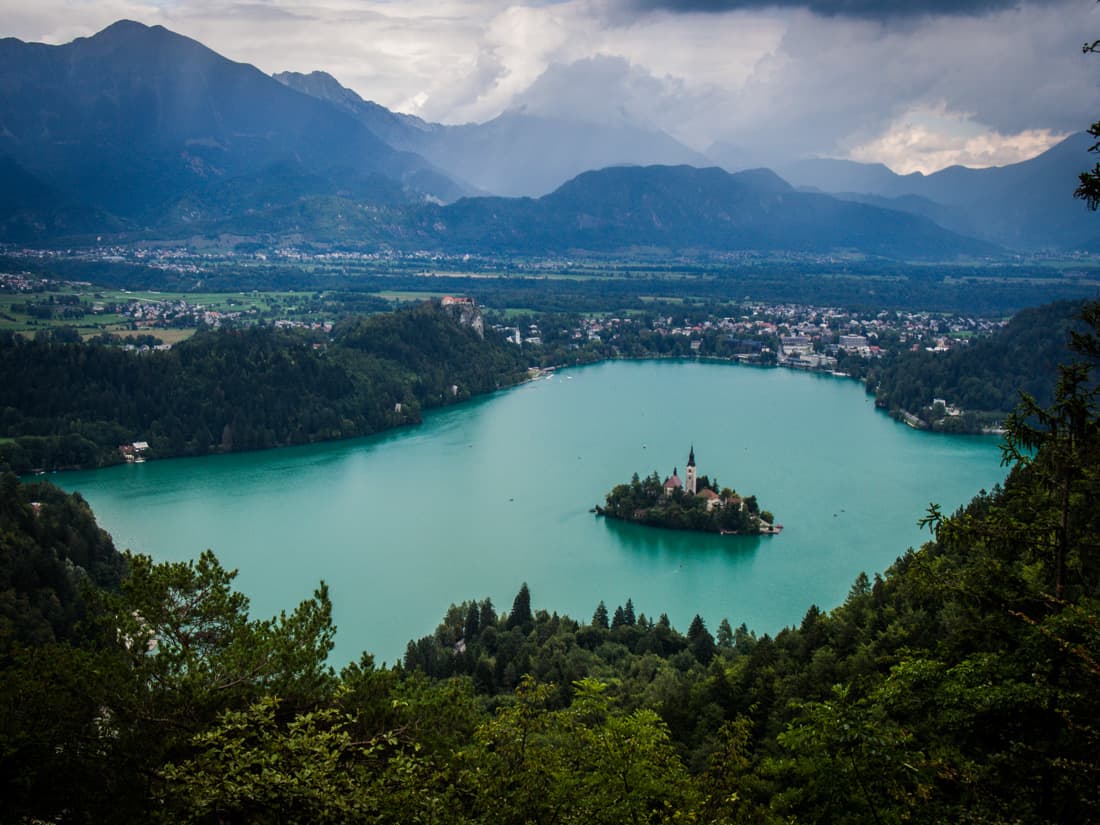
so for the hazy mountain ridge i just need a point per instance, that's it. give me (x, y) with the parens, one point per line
(683, 208)
(1026, 205)
(654, 209)
(392, 127)
(516, 154)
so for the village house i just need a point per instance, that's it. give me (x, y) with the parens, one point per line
(134, 453)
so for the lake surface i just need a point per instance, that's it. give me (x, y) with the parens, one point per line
(496, 492)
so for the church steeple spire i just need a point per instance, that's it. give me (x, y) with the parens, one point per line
(689, 478)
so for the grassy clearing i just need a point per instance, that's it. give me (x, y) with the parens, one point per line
(219, 301)
(398, 295)
(660, 299)
(169, 335)
(512, 312)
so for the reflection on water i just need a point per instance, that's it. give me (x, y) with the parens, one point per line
(679, 544)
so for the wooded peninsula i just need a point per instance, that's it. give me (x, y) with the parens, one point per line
(73, 404)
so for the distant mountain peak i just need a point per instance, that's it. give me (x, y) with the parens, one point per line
(127, 31)
(321, 85)
(135, 118)
(127, 26)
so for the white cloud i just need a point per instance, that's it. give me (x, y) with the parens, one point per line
(603, 89)
(720, 51)
(833, 85)
(520, 41)
(925, 144)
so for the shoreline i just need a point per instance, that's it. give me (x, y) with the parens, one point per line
(773, 530)
(534, 374)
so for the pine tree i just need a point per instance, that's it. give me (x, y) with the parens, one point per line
(700, 641)
(725, 634)
(619, 617)
(599, 618)
(472, 625)
(488, 616)
(1089, 188)
(520, 616)
(628, 612)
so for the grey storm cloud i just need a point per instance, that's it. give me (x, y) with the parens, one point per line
(827, 85)
(860, 9)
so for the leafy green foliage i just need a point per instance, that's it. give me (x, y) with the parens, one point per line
(250, 767)
(588, 762)
(51, 555)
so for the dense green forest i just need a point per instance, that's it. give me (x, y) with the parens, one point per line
(985, 379)
(68, 404)
(960, 686)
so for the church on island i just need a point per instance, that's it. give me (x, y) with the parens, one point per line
(695, 502)
(690, 486)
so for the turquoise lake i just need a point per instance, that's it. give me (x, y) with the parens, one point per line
(487, 495)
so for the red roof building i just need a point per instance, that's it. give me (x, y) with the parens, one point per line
(673, 482)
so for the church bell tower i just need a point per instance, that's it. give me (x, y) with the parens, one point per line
(689, 478)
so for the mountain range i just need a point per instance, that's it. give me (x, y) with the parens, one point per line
(515, 154)
(1023, 206)
(690, 210)
(141, 132)
(136, 117)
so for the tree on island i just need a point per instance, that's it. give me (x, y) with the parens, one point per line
(706, 508)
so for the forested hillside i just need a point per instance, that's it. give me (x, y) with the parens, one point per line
(68, 404)
(986, 378)
(961, 686)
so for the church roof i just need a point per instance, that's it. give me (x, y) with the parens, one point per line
(707, 493)
(673, 481)
(691, 456)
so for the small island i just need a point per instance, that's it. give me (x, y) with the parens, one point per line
(696, 503)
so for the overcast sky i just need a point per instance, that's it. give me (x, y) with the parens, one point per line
(915, 84)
